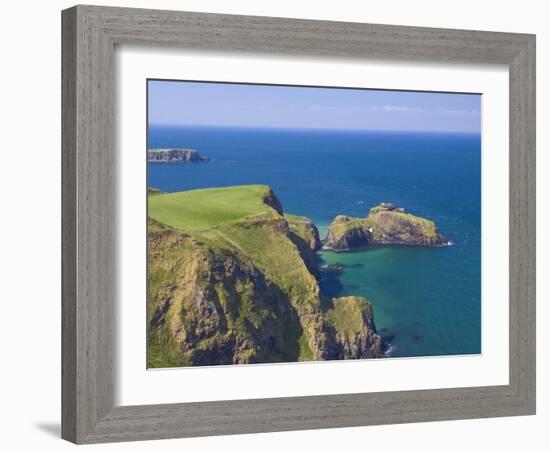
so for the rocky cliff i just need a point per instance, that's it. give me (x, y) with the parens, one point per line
(270, 199)
(181, 155)
(245, 291)
(305, 235)
(355, 333)
(209, 306)
(385, 224)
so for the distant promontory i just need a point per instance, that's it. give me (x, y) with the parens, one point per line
(175, 155)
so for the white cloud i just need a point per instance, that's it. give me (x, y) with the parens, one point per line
(459, 112)
(397, 108)
(387, 108)
(392, 109)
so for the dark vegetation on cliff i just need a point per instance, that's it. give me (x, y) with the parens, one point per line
(232, 280)
(385, 224)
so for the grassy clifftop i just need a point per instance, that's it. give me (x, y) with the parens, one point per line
(232, 280)
(204, 208)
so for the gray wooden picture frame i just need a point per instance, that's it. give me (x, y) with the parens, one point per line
(90, 34)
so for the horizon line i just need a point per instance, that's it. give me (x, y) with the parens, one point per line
(311, 128)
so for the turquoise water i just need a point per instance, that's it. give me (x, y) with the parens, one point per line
(427, 301)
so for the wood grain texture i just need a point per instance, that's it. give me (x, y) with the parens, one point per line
(523, 224)
(90, 34)
(68, 225)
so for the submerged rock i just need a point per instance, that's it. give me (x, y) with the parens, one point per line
(333, 267)
(385, 224)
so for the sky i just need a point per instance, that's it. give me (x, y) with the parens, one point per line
(242, 105)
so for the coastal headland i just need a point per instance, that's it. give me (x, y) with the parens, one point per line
(232, 279)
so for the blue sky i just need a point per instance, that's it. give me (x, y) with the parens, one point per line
(220, 104)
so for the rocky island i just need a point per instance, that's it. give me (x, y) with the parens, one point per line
(385, 224)
(232, 280)
(175, 155)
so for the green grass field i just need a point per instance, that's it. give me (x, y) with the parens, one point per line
(201, 209)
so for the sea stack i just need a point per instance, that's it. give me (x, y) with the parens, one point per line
(175, 155)
(386, 224)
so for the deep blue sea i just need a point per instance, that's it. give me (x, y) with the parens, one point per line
(427, 301)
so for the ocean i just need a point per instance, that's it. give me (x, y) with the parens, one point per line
(427, 301)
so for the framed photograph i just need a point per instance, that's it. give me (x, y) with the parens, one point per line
(277, 224)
